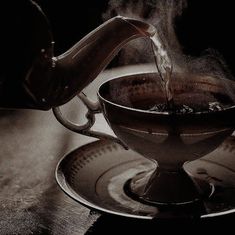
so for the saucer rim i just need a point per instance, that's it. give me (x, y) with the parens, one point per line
(76, 197)
(64, 186)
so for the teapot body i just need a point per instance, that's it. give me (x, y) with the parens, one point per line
(25, 32)
(32, 77)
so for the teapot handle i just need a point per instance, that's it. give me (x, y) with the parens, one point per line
(85, 129)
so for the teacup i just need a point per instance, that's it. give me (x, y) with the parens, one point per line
(169, 138)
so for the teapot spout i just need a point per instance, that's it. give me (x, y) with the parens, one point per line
(69, 73)
(144, 28)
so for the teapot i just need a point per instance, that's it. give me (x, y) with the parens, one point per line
(40, 80)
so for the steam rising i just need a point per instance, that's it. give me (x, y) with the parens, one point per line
(162, 14)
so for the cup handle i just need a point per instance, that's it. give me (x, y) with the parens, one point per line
(93, 108)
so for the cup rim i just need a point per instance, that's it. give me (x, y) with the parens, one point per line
(165, 113)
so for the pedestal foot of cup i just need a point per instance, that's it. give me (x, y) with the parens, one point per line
(164, 187)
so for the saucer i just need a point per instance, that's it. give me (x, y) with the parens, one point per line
(96, 173)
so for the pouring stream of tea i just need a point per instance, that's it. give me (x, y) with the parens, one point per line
(164, 66)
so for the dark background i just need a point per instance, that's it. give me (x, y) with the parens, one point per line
(203, 25)
(71, 20)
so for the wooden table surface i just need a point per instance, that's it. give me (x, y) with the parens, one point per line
(31, 202)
